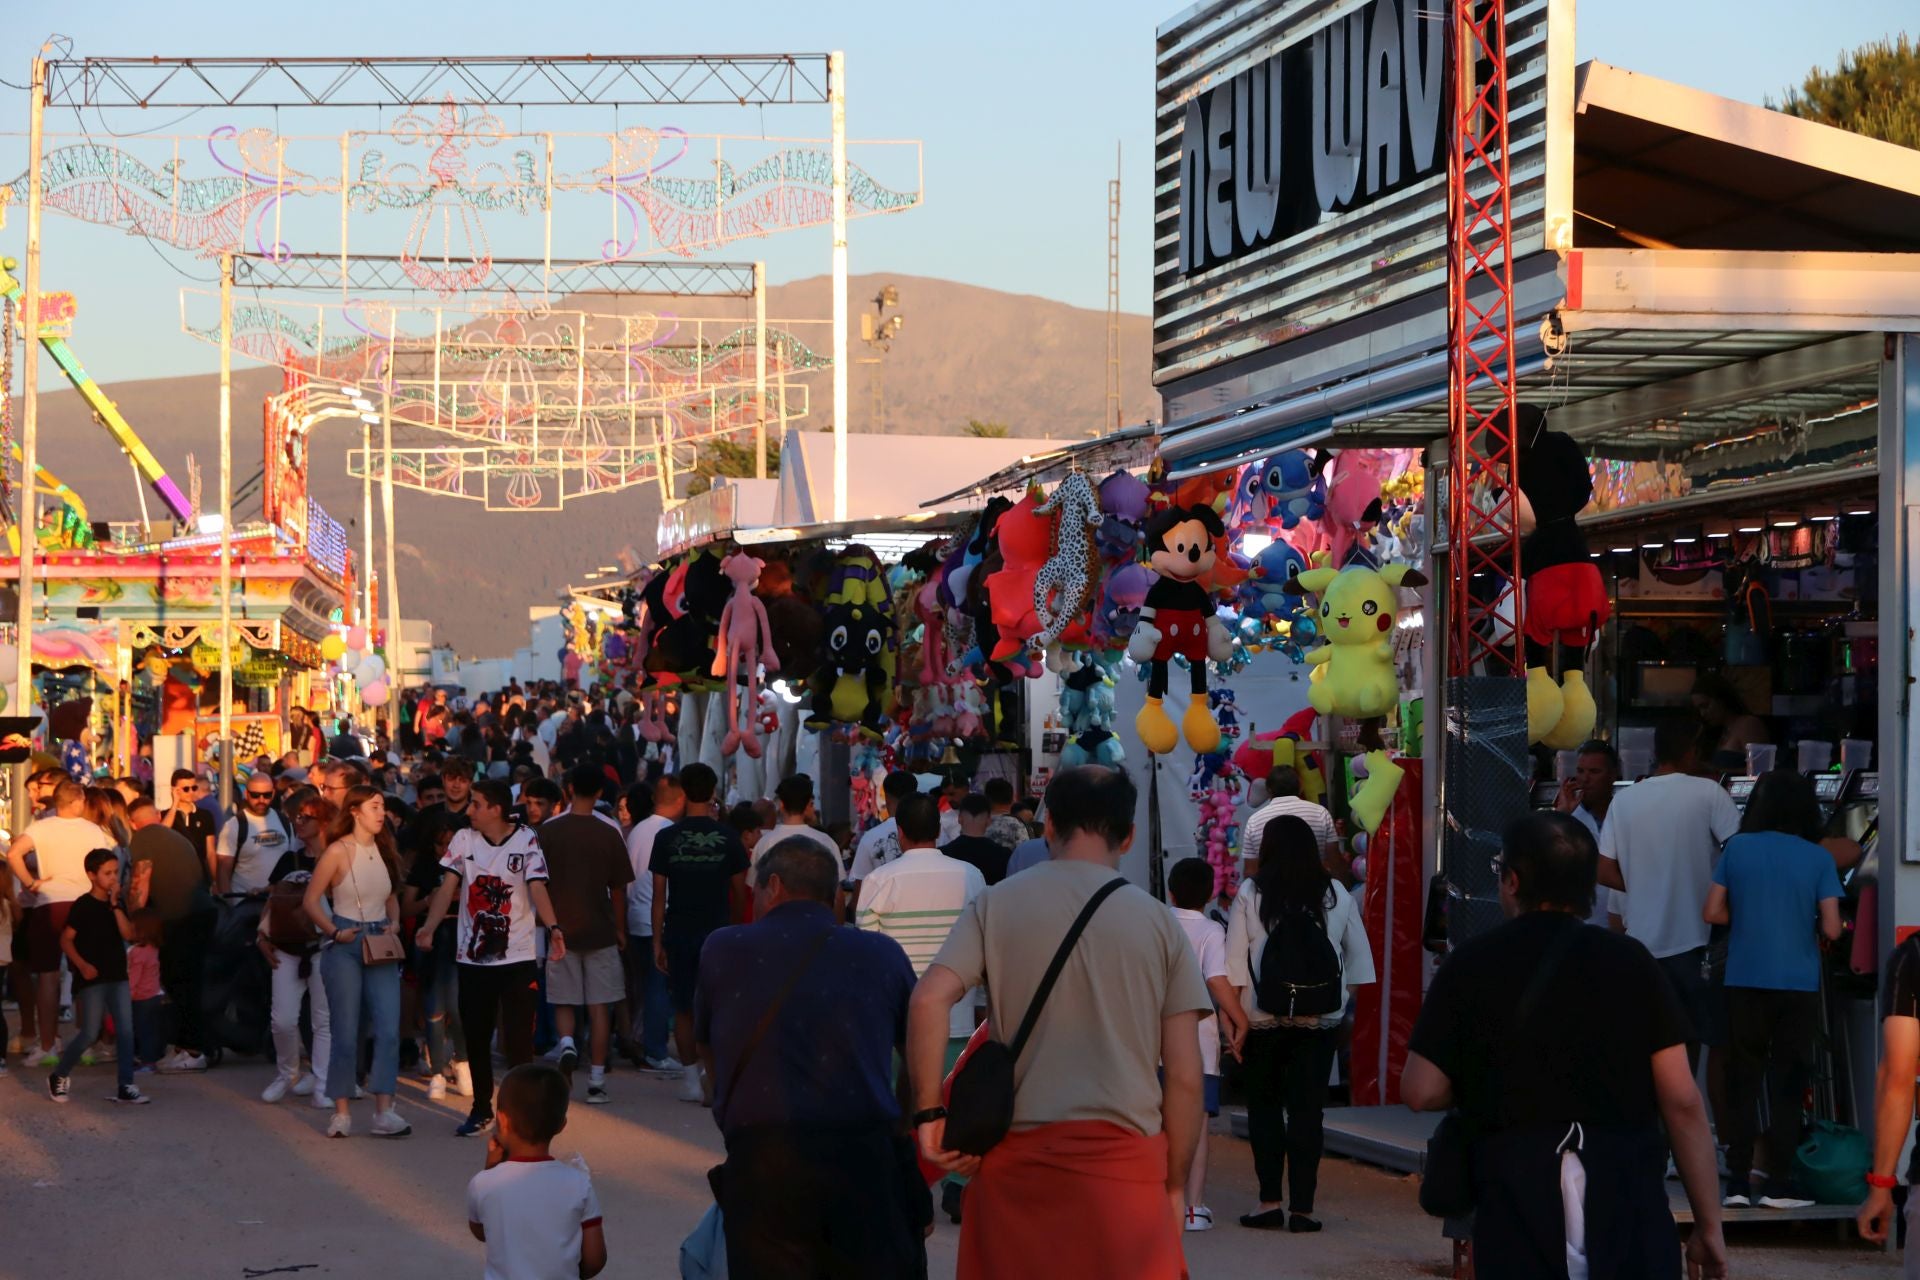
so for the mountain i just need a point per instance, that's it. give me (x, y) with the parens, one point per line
(961, 353)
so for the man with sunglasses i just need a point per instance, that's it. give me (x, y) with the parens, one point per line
(251, 842)
(190, 820)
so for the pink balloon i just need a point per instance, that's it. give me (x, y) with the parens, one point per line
(356, 637)
(375, 694)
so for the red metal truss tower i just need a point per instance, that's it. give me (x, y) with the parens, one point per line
(1485, 533)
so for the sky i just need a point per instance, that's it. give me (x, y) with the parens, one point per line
(1020, 107)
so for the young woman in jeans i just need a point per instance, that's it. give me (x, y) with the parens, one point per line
(1288, 1059)
(351, 894)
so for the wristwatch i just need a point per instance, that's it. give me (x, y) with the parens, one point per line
(928, 1116)
(1882, 1181)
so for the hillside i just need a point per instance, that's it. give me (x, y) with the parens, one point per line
(963, 352)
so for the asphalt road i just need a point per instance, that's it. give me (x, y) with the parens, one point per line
(209, 1182)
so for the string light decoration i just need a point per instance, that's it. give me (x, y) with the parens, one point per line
(235, 190)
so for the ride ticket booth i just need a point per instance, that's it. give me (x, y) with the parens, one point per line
(1721, 305)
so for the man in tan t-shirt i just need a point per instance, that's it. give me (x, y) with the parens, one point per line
(1092, 1178)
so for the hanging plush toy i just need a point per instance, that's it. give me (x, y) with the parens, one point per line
(1178, 618)
(1353, 672)
(745, 643)
(1025, 535)
(1566, 601)
(852, 680)
(1265, 594)
(71, 724)
(1123, 507)
(1064, 586)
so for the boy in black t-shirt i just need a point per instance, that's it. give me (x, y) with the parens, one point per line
(95, 943)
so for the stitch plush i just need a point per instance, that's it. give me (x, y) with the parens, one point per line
(1178, 619)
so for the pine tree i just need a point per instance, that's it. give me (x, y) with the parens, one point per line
(1874, 91)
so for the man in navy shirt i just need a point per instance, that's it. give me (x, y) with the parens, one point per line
(820, 1177)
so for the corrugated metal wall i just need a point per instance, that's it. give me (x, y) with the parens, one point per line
(1348, 262)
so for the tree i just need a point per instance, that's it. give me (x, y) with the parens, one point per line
(721, 456)
(987, 430)
(1874, 91)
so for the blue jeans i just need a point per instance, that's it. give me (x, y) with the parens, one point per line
(354, 990)
(149, 1044)
(440, 996)
(647, 995)
(91, 1005)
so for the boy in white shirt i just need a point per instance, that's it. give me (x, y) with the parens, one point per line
(1190, 886)
(538, 1216)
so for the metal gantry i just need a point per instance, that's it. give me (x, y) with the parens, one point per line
(602, 80)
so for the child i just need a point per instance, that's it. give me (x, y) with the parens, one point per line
(1190, 885)
(95, 944)
(143, 984)
(538, 1216)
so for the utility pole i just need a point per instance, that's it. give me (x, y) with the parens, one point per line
(27, 506)
(1112, 416)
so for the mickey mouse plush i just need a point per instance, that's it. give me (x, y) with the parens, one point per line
(1178, 618)
(1566, 601)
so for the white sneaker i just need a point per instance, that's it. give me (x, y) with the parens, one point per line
(182, 1062)
(1199, 1218)
(462, 1080)
(437, 1089)
(388, 1124)
(341, 1126)
(276, 1089)
(690, 1087)
(667, 1066)
(1785, 1200)
(305, 1086)
(320, 1101)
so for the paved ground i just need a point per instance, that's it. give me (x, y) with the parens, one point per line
(208, 1182)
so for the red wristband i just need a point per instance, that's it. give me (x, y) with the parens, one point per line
(1882, 1181)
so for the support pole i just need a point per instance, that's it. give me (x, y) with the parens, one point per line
(760, 371)
(393, 577)
(837, 98)
(366, 522)
(27, 501)
(226, 532)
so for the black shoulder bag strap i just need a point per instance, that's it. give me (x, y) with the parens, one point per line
(773, 1010)
(1045, 988)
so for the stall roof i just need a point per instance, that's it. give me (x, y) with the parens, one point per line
(886, 475)
(1734, 312)
(1127, 448)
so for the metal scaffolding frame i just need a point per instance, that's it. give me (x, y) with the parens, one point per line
(605, 80)
(1482, 522)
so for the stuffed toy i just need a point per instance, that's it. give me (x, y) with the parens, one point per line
(1565, 600)
(71, 725)
(1370, 802)
(1121, 596)
(795, 623)
(1353, 672)
(1123, 508)
(1025, 535)
(852, 678)
(745, 643)
(1264, 594)
(1178, 619)
(956, 580)
(1064, 587)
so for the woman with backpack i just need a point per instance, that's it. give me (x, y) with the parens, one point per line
(1295, 947)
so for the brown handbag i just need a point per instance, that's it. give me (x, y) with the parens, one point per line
(375, 948)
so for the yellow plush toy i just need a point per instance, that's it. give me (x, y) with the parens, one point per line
(1353, 672)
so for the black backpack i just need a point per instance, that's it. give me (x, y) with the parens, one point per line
(1299, 971)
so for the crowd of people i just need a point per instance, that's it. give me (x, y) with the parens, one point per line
(828, 997)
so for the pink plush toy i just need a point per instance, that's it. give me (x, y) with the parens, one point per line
(746, 642)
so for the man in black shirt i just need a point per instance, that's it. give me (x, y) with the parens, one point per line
(1552, 1039)
(699, 872)
(190, 820)
(973, 844)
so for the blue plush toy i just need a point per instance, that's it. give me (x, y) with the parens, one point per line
(1263, 594)
(1295, 488)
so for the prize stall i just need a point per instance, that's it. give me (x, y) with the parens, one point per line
(1706, 313)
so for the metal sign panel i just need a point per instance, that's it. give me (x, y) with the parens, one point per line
(1300, 169)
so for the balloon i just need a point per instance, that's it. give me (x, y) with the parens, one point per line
(375, 694)
(356, 637)
(332, 647)
(351, 660)
(372, 669)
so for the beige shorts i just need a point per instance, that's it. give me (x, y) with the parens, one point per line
(586, 977)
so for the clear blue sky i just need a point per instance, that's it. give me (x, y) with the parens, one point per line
(1019, 104)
